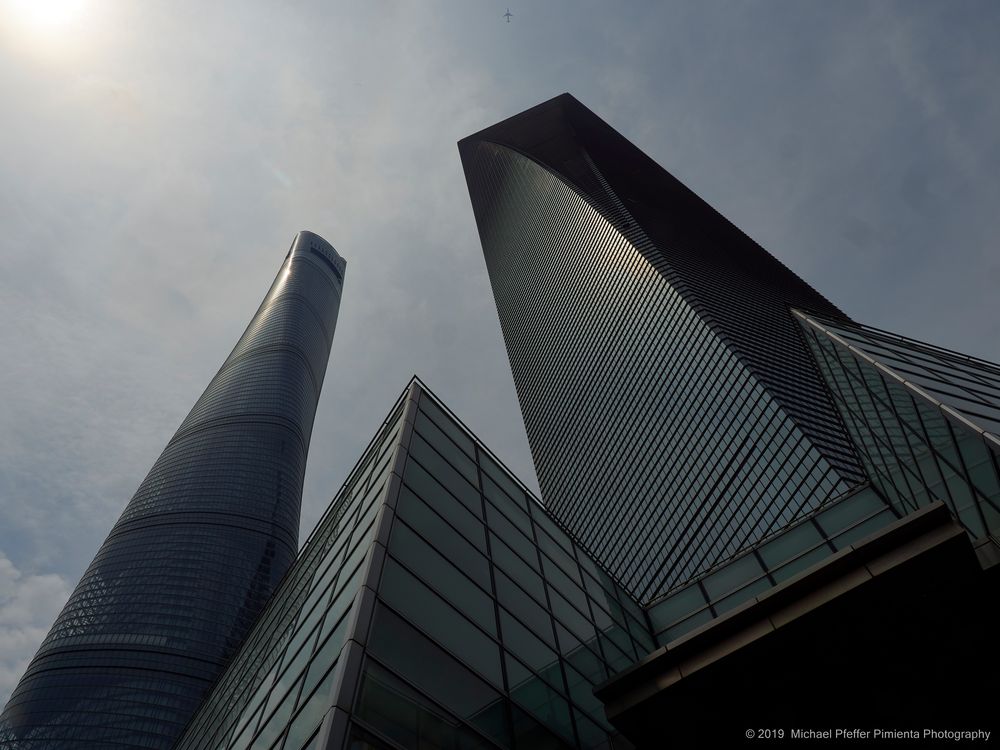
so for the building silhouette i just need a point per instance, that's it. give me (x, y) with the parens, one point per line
(200, 547)
(674, 412)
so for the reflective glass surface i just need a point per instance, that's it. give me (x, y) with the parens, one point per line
(518, 621)
(925, 420)
(655, 440)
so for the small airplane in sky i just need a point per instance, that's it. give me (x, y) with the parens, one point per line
(508, 15)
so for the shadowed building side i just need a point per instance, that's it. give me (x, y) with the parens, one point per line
(201, 546)
(673, 410)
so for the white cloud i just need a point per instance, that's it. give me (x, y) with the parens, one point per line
(28, 605)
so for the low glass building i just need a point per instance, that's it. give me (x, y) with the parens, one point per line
(437, 604)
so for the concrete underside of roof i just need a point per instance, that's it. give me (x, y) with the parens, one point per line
(896, 632)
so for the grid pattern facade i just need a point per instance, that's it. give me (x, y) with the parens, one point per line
(924, 419)
(476, 622)
(615, 285)
(653, 440)
(200, 547)
(481, 582)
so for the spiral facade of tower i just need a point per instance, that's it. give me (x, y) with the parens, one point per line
(201, 545)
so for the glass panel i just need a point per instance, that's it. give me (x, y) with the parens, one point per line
(685, 626)
(790, 543)
(449, 683)
(521, 544)
(562, 583)
(526, 609)
(849, 510)
(443, 537)
(301, 645)
(528, 733)
(255, 704)
(362, 534)
(311, 714)
(341, 602)
(545, 523)
(276, 724)
(577, 623)
(563, 558)
(517, 515)
(519, 570)
(586, 661)
(675, 606)
(863, 530)
(447, 448)
(592, 736)
(595, 576)
(614, 632)
(616, 658)
(581, 691)
(428, 611)
(443, 421)
(503, 481)
(528, 647)
(745, 594)
(799, 564)
(425, 561)
(408, 717)
(732, 575)
(644, 642)
(428, 481)
(291, 674)
(540, 700)
(450, 509)
(326, 657)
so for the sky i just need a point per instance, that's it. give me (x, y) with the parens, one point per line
(157, 157)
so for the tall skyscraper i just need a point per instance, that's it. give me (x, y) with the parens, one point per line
(798, 500)
(201, 545)
(673, 409)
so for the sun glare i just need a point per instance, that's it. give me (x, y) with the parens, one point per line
(45, 15)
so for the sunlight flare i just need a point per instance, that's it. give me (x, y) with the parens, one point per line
(45, 15)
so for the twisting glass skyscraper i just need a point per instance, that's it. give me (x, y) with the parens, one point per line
(200, 547)
(799, 501)
(673, 410)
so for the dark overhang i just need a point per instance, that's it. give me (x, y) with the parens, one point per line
(887, 632)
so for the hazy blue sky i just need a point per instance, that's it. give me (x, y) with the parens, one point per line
(156, 158)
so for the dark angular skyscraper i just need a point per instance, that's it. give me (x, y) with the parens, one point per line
(674, 412)
(199, 549)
